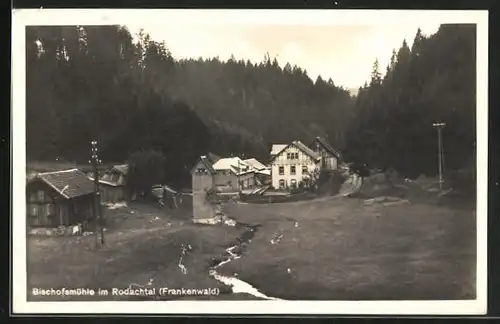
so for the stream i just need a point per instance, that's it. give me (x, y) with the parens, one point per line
(233, 253)
(349, 187)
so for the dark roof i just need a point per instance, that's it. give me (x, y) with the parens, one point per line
(213, 157)
(301, 146)
(327, 146)
(306, 149)
(68, 183)
(206, 162)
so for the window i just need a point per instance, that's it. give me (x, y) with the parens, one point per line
(33, 210)
(288, 156)
(281, 170)
(282, 184)
(49, 209)
(304, 169)
(293, 183)
(41, 195)
(292, 169)
(297, 156)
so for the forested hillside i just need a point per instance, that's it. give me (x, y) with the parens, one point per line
(86, 83)
(433, 81)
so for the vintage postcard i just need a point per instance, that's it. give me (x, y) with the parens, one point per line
(249, 162)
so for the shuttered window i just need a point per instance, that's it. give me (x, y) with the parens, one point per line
(39, 215)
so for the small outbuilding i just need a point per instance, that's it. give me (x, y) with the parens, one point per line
(58, 198)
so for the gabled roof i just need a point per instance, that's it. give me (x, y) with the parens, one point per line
(254, 163)
(122, 168)
(327, 146)
(206, 162)
(306, 149)
(233, 164)
(277, 148)
(106, 182)
(68, 183)
(301, 146)
(266, 172)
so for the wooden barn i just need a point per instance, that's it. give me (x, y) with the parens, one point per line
(112, 184)
(330, 158)
(59, 198)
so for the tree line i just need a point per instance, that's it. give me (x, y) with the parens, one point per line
(96, 83)
(433, 81)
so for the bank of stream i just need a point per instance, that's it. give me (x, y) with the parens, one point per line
(232, 253)
(236, 251)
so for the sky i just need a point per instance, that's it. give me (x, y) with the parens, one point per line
(345, 53)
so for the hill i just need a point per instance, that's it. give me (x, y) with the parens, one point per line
(94, 83)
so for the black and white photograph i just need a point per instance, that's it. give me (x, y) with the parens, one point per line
(250, 159)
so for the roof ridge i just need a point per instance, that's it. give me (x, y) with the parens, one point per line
(58, 171)
(327, 145)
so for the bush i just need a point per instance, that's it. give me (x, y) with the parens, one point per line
(336, 182)
(361, 169)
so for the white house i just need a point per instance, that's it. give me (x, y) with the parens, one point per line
(262, 172)
(275, 149)
(291, 163)
(234, 172)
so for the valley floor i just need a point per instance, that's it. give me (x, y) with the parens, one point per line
(330, 249)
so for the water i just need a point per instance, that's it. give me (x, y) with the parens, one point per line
(233, 253)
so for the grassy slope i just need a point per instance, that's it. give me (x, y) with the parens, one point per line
(345, 251)
(340, 250)
(139, 247)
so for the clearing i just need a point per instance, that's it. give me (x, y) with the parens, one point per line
(340, 249)
(143, 244)
(330, 248)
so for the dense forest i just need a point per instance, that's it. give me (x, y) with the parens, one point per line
(95, 82)
(433, 81)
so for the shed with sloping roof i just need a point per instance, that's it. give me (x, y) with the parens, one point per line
(113, 184)
(330, 158)
(64, 197)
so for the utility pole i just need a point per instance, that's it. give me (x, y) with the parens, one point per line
(239, 171)
(99, 230)
(439, 127)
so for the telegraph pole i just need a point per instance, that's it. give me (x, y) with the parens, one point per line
(439, 127)
(99, 231)
(239, 171)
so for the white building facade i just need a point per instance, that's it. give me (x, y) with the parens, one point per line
(234, 172)
(290, 164)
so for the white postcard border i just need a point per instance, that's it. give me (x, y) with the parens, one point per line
(26, 17)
